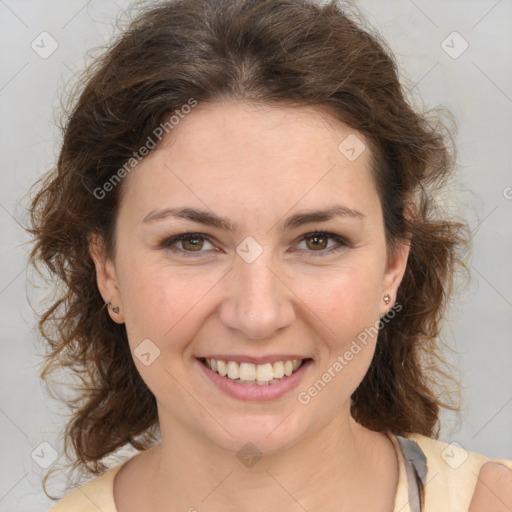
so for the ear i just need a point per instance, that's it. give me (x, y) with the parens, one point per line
(106, 278)
(397, 263)
(395, 270)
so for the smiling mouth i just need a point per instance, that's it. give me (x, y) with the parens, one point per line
(251, 374)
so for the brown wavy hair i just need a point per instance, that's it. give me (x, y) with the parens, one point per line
(274, 52)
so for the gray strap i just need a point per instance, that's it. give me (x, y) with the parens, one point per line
(416, 470)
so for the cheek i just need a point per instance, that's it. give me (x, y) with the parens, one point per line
(346, 296)
(161, 301)
(169, 303)
(166, 306)
(158, 299)
(346, 311)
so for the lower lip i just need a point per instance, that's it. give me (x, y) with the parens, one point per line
(255, 392)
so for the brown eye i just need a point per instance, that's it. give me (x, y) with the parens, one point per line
(190, 243)
(317, 241)
(193, 243)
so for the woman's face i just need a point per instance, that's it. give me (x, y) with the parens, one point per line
(254, 293)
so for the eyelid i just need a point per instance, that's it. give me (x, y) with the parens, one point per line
(170, 240)
(342, 242)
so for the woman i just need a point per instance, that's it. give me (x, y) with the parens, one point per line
(243, 219)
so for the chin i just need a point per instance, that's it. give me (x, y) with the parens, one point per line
(266, 435)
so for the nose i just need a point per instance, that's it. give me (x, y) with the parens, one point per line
(258, 301)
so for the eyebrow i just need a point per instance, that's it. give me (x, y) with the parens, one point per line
(211, 219)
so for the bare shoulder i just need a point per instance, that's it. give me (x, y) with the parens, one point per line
(493, 491)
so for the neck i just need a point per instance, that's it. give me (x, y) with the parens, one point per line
(191, 473)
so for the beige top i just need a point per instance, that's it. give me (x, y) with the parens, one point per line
(449, 474)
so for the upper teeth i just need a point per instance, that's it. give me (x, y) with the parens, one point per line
(253, 373)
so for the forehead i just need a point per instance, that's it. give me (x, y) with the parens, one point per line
(241, 131)
(244, 153)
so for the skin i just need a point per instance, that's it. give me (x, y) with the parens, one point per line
(493, 491)
(255, 166)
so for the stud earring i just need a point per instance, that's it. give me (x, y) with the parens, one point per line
(115, 309)
(387, 298)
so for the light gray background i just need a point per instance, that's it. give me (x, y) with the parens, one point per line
(476, 87)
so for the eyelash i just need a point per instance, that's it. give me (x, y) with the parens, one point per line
(168, 242)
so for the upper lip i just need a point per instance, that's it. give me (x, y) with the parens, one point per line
(242, 358)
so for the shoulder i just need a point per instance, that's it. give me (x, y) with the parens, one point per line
(97, 494)
(493, 491)
(454, 472)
